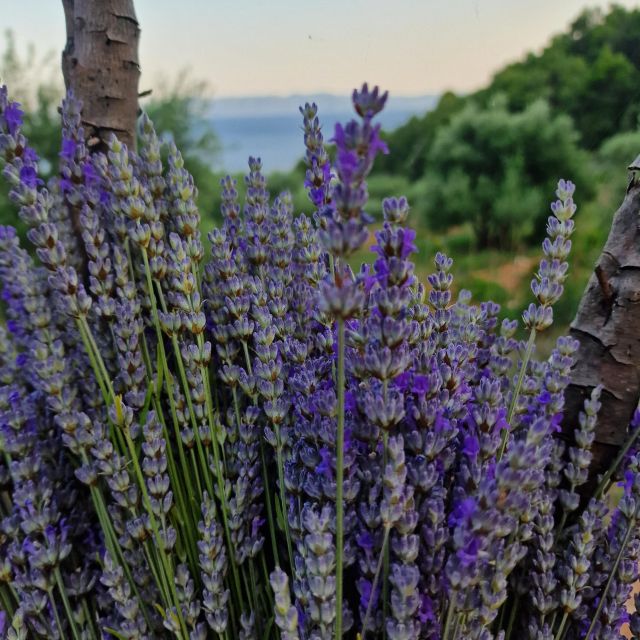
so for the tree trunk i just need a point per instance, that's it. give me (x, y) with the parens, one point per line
(100, 65)
(607, 325)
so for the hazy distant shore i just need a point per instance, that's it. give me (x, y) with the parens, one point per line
(270, 126)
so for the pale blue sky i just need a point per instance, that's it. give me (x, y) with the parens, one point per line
(255, 47)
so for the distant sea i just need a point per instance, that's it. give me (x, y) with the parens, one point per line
(271, 127)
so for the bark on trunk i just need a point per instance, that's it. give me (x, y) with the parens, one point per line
(607, 325)
(100, 64)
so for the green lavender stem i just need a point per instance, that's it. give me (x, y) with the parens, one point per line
(376, 578)
(339, 482)
(52, 602)
(272, 523)
(166, 567)
(283, 495)
(66, 603)
(512, 616)
(272, 528)
(516, 392)
(449, 618)
(604, 483)
(612, 574)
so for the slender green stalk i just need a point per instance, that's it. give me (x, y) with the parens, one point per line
(164, 561)
(219, 471)
(516, 392)
(339, 482)
(89, 619)
(66, 603)
(512, 616)
(560, 631)
(456, 626)
(605, 483)
(112, 544)
(449, 618)
(111, 539)
(272, 526)
(500, 619)
(5, 600)
(254, 594)
(184, 522)
(185, 518)
(187, 470)
(102, 378)
(374, 584)
(204, 468)
(283, 495)
(612, 574)
(265, 478)
(247, 359)
(52, 602)
(98, 355)
(94, 363)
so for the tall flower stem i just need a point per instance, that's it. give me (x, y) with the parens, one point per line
(163, 373)
(272, 528)
(605, 483)
(614, 570)
(270, 517)
(376, 578)
(203, 471)
(283, 495)
(54, 608)
(385, 548)
(66, 603)
(6, 601)
(516, 392)
(165, 564)
(512, 616)
(449, 618)
(340, 481)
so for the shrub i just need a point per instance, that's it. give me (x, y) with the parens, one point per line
(492, 168)
(265, 443)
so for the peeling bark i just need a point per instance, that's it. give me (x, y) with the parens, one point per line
(607, 325)
(100, 64)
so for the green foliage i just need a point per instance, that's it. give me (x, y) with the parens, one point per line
(605, 106)
(591, 72)
(293, 182)
(382, 186)
(615, 154)
(410, 142)
(496, 169)
(30, 79)
(620, 150)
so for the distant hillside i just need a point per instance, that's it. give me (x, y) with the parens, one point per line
(590, 72)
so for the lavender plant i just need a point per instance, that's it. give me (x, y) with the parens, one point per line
(267, 443)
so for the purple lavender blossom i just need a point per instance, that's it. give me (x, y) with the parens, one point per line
(170, 424)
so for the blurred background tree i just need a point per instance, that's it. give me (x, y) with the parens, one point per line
(495, 169)
(34, 83)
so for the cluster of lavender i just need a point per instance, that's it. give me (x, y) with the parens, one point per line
(266, 443)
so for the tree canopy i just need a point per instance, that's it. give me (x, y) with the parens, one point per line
(496, 167)
(490, 157)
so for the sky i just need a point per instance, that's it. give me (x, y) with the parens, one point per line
(283, 47)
